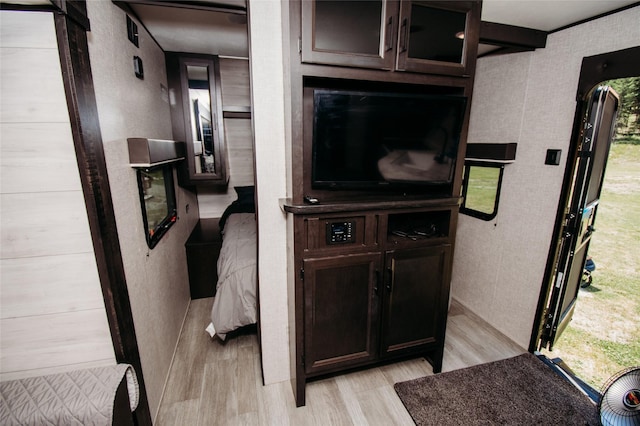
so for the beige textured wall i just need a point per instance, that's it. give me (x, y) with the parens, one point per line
(528, 98)
(52, 316)
(157, 279)
(267, 74)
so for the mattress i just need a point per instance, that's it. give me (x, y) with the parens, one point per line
(234, 305)
(79, 397)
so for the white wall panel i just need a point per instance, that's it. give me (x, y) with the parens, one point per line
(50, 285)
(52, 314)
(27, 30)
(31, 86)
(267, 82)
(234, 76)
(239, 140)
(43, 224)
(89, 342)
(23, 148)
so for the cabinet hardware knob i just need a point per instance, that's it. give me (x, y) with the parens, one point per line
(404, 34)
(376, 283)
(389, 35)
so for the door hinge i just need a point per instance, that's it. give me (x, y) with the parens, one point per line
(299, 44)
(303, 361)
(548, 320)
(302, 274)
(585, 153)
(568, 231)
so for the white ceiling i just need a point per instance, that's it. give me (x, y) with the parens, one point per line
(225, 34)
(546, 15)
(195, 30)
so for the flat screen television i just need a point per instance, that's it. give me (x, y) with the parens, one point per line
(366, 140)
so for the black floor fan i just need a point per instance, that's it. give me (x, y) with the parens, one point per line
(620, 400)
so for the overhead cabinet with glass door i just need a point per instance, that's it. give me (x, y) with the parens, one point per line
(415, 36)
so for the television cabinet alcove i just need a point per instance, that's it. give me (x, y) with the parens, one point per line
(379, 119)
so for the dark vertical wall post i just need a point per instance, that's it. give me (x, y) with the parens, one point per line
(71, 29)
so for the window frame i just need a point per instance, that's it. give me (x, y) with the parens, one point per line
(153, 236)
(464, 209)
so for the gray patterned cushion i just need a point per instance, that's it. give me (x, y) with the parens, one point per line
(81, 397)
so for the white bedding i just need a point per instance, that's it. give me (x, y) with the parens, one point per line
(234, 305)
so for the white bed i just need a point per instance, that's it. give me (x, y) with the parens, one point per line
(234, 305)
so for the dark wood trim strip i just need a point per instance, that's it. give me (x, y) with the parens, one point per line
(197, 5)
(593, 18)
(512, 36)
(87, 139)
(505, 51)
(28, 7)
(75, 10)
(289, 206)
(492, 151)
(236, 111)
(609, 66)
(233, 114)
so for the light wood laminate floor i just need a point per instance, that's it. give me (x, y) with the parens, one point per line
(215, 384)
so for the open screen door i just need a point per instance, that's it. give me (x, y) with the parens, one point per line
(580, 212)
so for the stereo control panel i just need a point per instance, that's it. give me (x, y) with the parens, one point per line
(341, 232)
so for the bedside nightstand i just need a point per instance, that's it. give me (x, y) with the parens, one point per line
(203, 248)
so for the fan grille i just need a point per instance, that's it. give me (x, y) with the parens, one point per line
(620, 401)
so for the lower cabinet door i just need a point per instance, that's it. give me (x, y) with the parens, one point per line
(416, 292)
(341, 311)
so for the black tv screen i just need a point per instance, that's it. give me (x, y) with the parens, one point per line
(373, 140)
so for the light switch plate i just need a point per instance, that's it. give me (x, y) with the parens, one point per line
(553, 157)
(137, 67)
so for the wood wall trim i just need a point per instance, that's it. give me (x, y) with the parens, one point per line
(85, 126)
(609, 66)
(593, 18)
(511, 36)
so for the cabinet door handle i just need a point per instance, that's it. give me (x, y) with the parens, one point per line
(404, 33)
(376, 290)
(389, 35)
(389, 279)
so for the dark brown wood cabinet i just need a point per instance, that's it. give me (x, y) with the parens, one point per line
(203, 248)
(349, 33)
(372, 264)
(373, 285)
(197, 118)
(434, 37)
(415, 292)
(341, 311)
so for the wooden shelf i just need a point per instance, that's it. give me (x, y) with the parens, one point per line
(233, 111)
(306, 209)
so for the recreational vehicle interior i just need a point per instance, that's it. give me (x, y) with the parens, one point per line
(313, 124)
